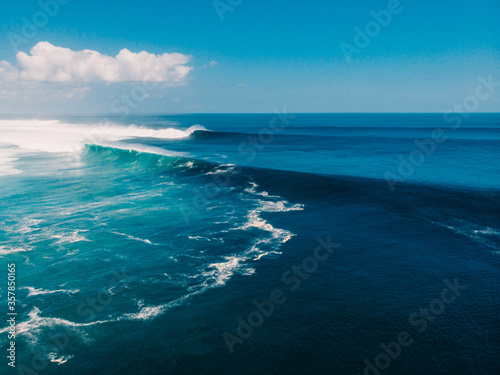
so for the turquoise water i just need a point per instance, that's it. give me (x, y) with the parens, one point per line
(142, 244)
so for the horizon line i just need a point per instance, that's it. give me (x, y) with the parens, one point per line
(236, 113)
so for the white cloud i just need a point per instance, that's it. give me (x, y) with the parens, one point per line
(211, 64)
(48, 63)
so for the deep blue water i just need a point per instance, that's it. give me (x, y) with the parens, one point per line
(155, 244)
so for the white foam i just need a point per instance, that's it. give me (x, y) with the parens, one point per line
(189, 164)
(59, 360)
(69, 238)
(223, 169)
(7, 159)
(216, 275)
(25, 226)
(255, 221)
(270, 244)
(207, 239)
(223, 271)
(488, 231)
(145, 313)
(252, 189)
(134, 238)
(482, 236)
(278, 205)
(151, 312)
(36, 322)
(53, 136)
(35, 292)
(5, 250)
(199, 238)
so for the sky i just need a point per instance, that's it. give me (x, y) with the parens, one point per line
(247, 56)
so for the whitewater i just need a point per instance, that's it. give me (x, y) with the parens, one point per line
(140, 243)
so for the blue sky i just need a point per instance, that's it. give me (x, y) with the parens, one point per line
(263, 54)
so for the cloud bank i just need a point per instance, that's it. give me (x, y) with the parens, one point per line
(49, 63)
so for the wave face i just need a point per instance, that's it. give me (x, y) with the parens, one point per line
(132, 207)
(55, 136)
(156, 234)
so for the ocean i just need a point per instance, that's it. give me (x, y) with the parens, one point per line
(251, 244)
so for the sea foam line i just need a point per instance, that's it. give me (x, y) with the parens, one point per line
(4, 250)
(134, 238)
(57, 137)
(35, 292)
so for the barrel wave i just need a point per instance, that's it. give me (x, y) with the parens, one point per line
(141, 243)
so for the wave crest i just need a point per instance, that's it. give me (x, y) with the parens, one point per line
(53, 136)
